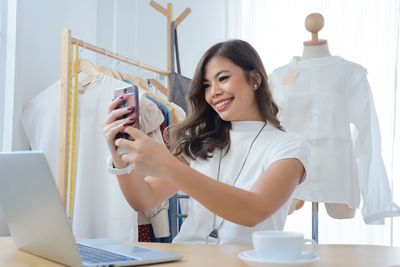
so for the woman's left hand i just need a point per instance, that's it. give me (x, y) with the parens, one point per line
(147, 156)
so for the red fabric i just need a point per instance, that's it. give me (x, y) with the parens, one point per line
(165, 134)
(144, 233)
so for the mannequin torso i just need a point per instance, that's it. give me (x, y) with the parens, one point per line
(316, 48)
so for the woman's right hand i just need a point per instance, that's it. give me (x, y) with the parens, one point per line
(115, 123)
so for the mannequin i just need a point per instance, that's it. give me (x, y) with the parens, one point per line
(327, 100)
(315, 47)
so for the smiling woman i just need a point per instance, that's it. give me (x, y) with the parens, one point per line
(243, 168)
(230, 84)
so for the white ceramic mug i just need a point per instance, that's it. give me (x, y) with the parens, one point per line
(280, 246)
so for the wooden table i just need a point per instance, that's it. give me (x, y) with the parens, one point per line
(203, 255)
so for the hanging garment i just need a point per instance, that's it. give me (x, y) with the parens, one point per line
(41, 122)
(179, 88)
(328, 101)
(152, 223)
(177, 83)
(173, 113)
(100, 208)
(159, 217)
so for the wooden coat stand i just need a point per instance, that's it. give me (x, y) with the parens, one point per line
(172, 25)
(168, 13)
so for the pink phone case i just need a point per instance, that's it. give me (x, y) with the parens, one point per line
(132, 100)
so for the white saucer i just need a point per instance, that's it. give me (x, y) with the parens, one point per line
(250, 258)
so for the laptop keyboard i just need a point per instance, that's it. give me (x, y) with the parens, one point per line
(95, 255)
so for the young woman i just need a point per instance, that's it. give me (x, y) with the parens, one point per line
(231, 156)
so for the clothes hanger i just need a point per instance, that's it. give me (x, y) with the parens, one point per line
(88, 67)
(159, 86)
(138, 81)
(116, 74)
(110, 72)
(91, 70)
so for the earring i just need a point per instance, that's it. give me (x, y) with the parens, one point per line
(255, 87)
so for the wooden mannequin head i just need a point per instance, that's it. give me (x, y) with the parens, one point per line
(314, 23)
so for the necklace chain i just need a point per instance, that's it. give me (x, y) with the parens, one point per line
(215, 231)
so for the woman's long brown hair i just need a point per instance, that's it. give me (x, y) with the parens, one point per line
(203, 130)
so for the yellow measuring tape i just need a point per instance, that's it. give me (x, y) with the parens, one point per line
(73, 121)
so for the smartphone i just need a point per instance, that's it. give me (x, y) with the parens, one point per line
(131, 100)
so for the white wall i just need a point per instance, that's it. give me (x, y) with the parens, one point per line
(140, 32)
(39, 25)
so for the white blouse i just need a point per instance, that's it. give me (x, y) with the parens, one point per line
(328, 101)
(100, 208)
(270, 146)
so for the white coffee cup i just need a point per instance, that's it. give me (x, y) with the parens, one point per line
(280, 246)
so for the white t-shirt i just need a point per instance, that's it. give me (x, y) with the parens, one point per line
(270, 146)
(100, 209)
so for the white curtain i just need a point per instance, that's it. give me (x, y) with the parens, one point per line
(362, 31)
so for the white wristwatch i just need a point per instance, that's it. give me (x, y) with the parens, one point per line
(125, 170)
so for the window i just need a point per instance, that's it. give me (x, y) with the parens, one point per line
(7, 71)
(2, 70)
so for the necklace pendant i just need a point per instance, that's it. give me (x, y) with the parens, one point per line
(212, 238)
(214, 234)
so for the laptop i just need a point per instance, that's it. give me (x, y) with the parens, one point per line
(38, 223)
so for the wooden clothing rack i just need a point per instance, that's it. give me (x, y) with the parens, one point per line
(66, 47)
(67, 42)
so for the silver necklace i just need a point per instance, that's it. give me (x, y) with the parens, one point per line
(213, 236)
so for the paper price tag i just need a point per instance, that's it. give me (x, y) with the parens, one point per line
(290, 77)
